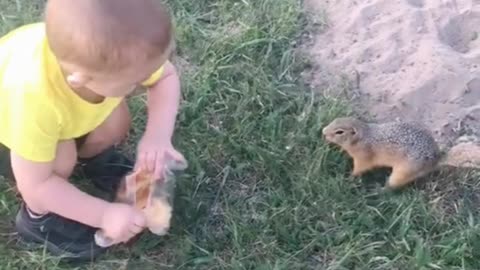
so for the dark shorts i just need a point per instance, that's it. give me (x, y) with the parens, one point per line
(5, 164)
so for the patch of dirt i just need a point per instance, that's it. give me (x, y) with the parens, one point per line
(411, 59)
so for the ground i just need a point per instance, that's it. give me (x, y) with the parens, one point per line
(263, 190)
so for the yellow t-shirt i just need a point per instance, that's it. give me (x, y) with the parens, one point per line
(37, 107)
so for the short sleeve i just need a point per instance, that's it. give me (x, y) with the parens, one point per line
(154, 77)
(34, 129)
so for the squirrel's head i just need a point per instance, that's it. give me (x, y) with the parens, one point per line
(344, 131)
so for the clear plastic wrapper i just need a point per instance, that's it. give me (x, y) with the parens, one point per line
(153, 196)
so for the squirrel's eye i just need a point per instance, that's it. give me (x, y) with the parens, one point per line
(339, 132)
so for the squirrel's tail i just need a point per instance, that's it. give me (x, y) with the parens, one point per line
(463, 154)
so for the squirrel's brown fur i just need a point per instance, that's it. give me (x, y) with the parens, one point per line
(408, 148)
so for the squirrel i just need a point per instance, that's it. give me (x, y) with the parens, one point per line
(408, 148)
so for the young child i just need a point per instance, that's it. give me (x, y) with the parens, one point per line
(63, 84)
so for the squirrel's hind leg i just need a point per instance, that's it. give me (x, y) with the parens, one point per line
(404, 174)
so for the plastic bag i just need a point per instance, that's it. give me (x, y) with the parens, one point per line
(153, 197)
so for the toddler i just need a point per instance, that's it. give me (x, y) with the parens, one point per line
(63, 84)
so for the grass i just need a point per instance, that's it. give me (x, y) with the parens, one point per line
(263, 190)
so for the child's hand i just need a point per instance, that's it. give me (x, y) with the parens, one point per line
(120, 222)
(152, 155)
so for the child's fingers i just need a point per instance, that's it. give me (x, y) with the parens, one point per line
(147, 161)
(141, 161)
(139, 223)
(159, 163)
(179, 161)
(136, 229)
(177, 156)
(151, 160)
(140, 220)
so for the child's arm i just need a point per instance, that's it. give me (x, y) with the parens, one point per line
(44, 191)
(163, 102)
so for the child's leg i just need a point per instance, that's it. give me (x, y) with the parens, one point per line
(109, 133)
(99, 161)
(62, 237)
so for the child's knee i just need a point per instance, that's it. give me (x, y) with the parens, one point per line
(113, 131)
(123, 128)
(116, 132)
(117, 126)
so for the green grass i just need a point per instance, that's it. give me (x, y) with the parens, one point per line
(263, 191)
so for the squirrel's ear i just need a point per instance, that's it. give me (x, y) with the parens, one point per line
(354, 131)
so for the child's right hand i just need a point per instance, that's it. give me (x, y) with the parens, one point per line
(120, 222)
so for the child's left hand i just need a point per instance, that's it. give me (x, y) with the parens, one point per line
(152, 154)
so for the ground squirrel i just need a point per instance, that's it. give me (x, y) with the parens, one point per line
(406, 147)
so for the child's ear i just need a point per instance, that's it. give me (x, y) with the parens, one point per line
(77, 79)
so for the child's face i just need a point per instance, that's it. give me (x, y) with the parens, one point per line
(114, 84)
(122, 83)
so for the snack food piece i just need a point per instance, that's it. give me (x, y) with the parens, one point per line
(158, 215)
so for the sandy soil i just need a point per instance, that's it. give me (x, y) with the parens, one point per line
(417, 58)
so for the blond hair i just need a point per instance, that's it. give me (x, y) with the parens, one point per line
(107, 34)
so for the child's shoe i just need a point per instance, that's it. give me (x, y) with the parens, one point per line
(106, 169)
(62, 237)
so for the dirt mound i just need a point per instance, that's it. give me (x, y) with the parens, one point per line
(412, 59)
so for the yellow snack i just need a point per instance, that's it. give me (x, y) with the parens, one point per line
(158, 214)
(135, 189)
(138, 189)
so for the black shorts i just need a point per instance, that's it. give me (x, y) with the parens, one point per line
(5, 164)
